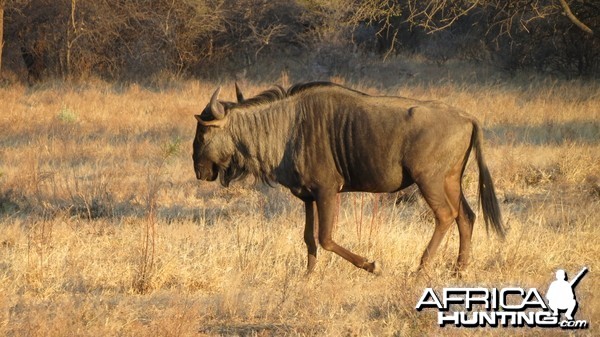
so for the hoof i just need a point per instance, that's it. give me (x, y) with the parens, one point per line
(376, 268)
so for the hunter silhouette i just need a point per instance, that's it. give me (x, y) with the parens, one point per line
(561, 293)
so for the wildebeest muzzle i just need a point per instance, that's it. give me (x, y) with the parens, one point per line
(206, 172)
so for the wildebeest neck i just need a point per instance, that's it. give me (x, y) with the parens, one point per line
(261, 133)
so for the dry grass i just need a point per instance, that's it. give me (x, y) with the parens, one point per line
(105, 231)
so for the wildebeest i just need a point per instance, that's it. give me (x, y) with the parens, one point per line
(319, 139)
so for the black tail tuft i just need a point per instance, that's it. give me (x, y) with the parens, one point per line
(487, 194)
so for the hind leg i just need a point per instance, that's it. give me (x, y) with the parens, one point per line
(436, 197)
(465, 218)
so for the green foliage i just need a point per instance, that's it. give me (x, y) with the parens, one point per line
(172, 147)
(66, 115)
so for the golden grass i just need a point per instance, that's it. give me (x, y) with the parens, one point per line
(104, 229)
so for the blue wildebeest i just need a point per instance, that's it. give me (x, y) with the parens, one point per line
(319, 139)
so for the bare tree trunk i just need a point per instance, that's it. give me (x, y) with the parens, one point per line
(1, 33)
(574, 19)
(71, 37)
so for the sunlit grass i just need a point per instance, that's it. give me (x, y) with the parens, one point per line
(96, 184)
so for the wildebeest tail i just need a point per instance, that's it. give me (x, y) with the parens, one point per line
(487, 194)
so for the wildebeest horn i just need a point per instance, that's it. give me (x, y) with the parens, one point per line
(217, 109)
(238, 93)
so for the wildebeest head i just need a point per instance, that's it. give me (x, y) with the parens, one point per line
(213, 145)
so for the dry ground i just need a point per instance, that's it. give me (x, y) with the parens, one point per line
(104, 229)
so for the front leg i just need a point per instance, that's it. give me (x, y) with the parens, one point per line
(310, 237)
(326, 211)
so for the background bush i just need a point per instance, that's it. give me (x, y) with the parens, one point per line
(139, 39)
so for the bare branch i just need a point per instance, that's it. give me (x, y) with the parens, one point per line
(574, 19)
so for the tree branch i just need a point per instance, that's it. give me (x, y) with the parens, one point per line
(574, 19)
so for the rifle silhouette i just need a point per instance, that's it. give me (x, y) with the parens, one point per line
(576, 279)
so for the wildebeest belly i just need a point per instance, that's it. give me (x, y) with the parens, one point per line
(367, 152)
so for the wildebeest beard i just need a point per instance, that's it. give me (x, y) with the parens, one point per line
(233, 172)
(237, 170)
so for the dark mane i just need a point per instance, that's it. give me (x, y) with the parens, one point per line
(267, 96)
(300, 87)
(278, 93)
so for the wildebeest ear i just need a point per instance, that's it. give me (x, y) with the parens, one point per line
(216, 123)
(238, 93)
